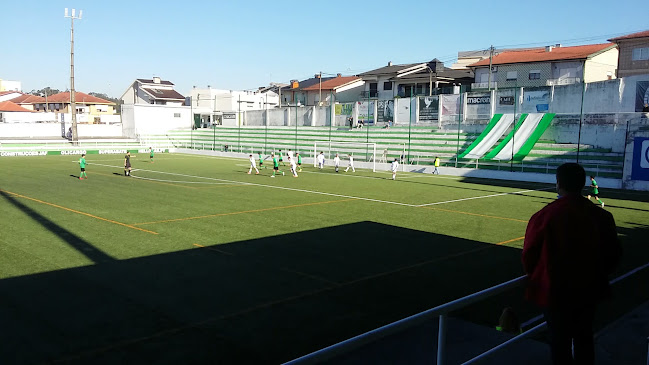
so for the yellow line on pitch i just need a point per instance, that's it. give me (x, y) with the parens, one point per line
(476, 214)
(79, 212)
(242, 212)
(508, 241)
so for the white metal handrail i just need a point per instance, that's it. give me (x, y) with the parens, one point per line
(440, 311)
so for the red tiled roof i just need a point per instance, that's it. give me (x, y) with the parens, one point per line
(332, 84)
(27, 99)
(631, 36)
(8, 106)
(541, 55)
(81, 98)
(166, 94)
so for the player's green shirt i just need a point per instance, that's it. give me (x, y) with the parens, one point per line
(152, 152)
(82, 163)
(275, 162)
(280, 156)
(299, 159)
(261, 160)
(594, 187)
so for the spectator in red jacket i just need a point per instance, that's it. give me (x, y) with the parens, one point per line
(570, 248)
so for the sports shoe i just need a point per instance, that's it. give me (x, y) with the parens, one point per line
(272, 175)
(282, 173)
(602, 204)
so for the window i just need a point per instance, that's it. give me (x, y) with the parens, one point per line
(374, 86)
(512, 75)
(535, 75)
(387, 85)
(101, 108)
(640, 54)
(176, 115)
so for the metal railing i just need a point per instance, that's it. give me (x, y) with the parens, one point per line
(370, 94)
(484, 85)
(440, 311)
(563, 81)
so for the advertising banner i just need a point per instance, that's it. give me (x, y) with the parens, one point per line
(536, 101)
(385, 111)
(428, 108)
(344, 109)
(366, 112)
(642, 95)
(640, 168)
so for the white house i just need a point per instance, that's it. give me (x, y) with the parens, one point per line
(153, 106)
(224, 107)
(8, 95)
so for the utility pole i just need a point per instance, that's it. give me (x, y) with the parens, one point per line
(491, 57)
(320, 90)
(73, 104)
(47, 109)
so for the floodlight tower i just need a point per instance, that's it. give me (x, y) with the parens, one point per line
(73, 104)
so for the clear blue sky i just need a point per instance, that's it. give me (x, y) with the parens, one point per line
(246, 44)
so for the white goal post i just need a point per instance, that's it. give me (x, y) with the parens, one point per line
(360, 151)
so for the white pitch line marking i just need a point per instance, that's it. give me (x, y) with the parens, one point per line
(182, 182)
(271, 186)
(481, 197)
(330, 194)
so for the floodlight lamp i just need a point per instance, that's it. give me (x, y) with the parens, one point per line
(74, 11)
(80, 12)
(66, 12)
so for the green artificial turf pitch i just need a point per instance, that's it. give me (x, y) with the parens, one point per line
(193, 260)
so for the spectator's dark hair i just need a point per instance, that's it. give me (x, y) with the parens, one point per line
(571, 177)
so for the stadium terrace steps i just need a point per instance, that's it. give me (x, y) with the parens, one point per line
(424, 143)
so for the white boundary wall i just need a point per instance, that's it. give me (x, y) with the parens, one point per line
(57, 129)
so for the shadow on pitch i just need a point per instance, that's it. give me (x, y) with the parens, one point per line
(266, 300)
(76, 242)
(259, 301)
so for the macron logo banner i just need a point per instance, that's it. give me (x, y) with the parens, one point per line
(640, 170)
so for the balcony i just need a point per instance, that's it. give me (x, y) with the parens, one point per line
(563, 81)
(484, 85)
(370, 94)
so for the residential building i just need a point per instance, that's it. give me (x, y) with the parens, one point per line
(467, 58)
(214, 106)
(9, 111)
(339, 89)
(633, 56)
(28, 101)
(85, 104)
(8, 95)
(154, 91)
(294, 94)
(153, 106)
(8, 85)
(427, 78)
(551, 65)
(275, 87)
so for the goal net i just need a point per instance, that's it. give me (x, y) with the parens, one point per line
(360, 151)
